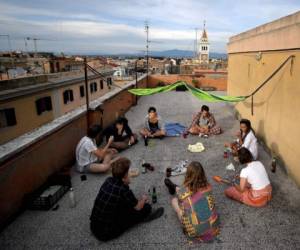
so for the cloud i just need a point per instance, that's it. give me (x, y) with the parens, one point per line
(118, 25)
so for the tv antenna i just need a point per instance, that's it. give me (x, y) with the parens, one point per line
(147, 47)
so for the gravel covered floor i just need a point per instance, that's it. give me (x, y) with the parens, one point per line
(273, 227)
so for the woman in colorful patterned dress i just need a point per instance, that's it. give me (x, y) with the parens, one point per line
(195, 205)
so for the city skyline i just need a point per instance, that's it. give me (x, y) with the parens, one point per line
(118, 26)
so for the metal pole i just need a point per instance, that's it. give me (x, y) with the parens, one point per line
(196, 45)
(8, 42)
(35, 46)
(25, 42)
(136, 82)
(86, 93)
(147, 50)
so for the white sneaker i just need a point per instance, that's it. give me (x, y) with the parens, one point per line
(179, 171)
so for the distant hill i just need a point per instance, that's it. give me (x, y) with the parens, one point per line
(166, 53)
(183, 53)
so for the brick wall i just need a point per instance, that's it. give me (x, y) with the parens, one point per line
(219, 81)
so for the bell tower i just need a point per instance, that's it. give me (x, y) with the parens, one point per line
(204, 47)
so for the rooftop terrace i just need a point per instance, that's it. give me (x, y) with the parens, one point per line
(273, 227)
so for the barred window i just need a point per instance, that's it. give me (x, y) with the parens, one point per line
(43, 104)
(93, 87)
(68, 96)
(81, 88)
(7, 117)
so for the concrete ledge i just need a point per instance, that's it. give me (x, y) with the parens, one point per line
(281, 34)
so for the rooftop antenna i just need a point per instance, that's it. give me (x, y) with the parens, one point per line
(147, 47)
(25, 43)
(196, 43)
(8, 41)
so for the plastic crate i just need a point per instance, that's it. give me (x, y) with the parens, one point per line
(48, 198)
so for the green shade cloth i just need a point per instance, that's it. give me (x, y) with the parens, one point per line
(198, 93)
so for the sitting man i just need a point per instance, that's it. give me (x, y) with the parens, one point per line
(153, 126)
(204, 123)
(116, 208)
(89, 158)
(117, 130)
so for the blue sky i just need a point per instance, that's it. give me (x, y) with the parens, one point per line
(116, 26)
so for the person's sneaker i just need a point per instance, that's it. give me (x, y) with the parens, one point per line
(171, 186)
(155, 214)
(179, 165)
(148, 166)
(168, 172)
(179, 171)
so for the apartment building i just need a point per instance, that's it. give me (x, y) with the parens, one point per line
(253, 56)
(38, 100)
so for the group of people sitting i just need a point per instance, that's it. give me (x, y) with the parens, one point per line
(116, 208)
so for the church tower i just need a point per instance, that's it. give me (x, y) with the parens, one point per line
(204, 47)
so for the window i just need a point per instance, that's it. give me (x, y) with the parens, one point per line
(101, 84)
(68, 96)
(109, 82)
(7, 117)
(93, 87)
(43, 104)
(81, 88)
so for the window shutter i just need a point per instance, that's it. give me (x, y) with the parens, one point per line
(10, 117)
(48, 103)
(81, 91)
(71, 95)
(38, 106)
(65, 97)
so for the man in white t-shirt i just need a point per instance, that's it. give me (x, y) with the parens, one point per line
(254, 188)
(90, 158)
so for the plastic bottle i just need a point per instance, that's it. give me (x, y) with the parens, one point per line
(273, 165)
(154, 196)
(146, 141)
(149, 193)
(72, 198)
(225, 155)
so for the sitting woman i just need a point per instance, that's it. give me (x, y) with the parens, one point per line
(117, 130)
(153, 126)
(204, 123)
(195, 205)
(245, 138)
(254, 188)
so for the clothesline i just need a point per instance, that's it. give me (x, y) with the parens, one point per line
(206, 96)
(198, 93)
